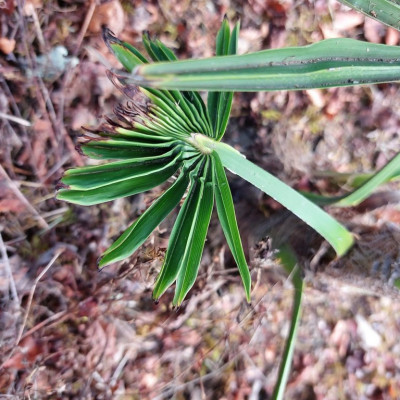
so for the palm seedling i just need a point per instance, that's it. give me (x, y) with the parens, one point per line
(161, 134)
(166, 132)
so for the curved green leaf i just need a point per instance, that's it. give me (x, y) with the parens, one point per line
(388, 172)
(336, 234)
(141, 229)
(226, 215)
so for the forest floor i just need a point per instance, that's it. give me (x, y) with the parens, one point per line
(68, 331)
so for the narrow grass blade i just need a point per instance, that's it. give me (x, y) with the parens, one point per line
(137, 184)
(93, 177)
(219, 104)
(336, 234)
(388, 172)
(226, 215)
(197, 236)
(385, 11)
(181, 231)
(328, 63)
(289, 261)
(141, 229)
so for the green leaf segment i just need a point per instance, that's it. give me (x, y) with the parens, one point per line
(160, 134)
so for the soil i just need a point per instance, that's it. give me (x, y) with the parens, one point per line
(68, 331)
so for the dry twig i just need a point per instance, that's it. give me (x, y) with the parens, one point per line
(28, 205)
(18, 120)
(7, 265)
(32, 292)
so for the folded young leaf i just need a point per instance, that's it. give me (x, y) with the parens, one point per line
(137, 184)
(177, 116)
(123, 149)
(190, 261)
(137, 136)
(219, 104)
(190, 102)
(226, 215)
(184, 224)
(192, 111)
(93, 177)
(141, 229)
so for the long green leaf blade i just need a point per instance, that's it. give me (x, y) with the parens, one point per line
(180, 232)
(328, 63)
(195, 242)
(128, 187)
(385, 11)
(141, 229)
(226, 215)
(336, 234)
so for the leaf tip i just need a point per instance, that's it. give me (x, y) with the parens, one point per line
(176, 307)
(108, 36)
(101, 263)
(248, 297)
(146, 35)
(60, 186)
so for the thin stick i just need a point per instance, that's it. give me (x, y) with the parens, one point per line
(59, 317)
(66, 80)
(32, 292)
(18, 193)
(120, 367)
(18, 120)
(6, 261)
(36, 23)
(85, 25)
